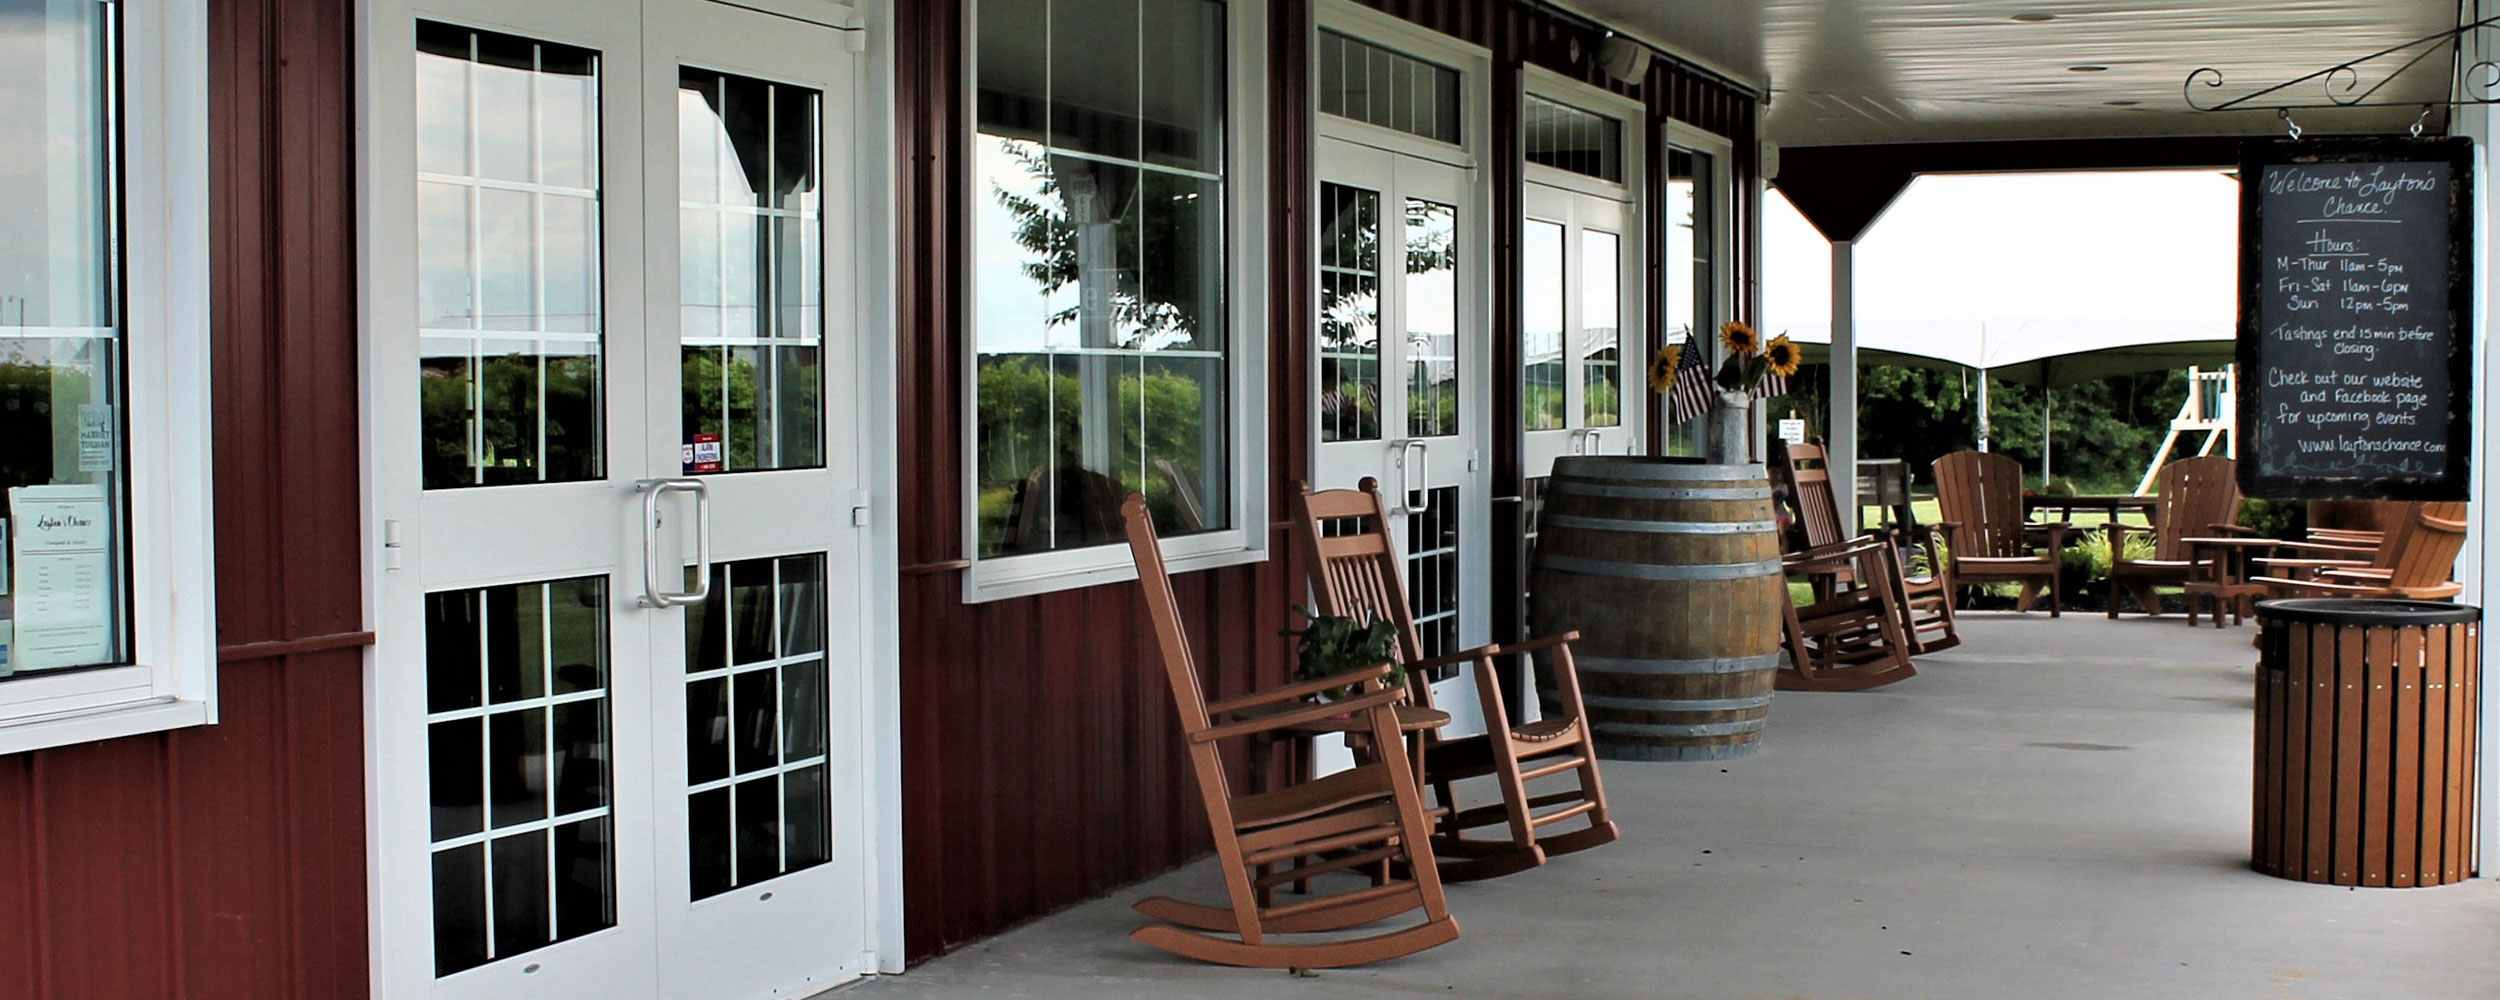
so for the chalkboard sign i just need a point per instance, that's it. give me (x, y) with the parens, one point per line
(2355, 310)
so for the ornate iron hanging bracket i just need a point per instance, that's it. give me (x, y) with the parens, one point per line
(2479, 81)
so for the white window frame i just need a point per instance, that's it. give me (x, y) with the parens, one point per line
(1246, 353)
(171, 681)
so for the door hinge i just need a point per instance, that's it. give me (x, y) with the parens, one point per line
(391, 550)
(1475, 460)
(859, 508)
(854, 32)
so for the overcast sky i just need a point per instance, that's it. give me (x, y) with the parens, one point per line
(2044, 263)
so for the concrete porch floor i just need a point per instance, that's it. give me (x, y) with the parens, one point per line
(2059, 809)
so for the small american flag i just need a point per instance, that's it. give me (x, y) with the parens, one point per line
(1693, 392)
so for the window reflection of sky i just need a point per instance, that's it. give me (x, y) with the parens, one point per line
(55, 263)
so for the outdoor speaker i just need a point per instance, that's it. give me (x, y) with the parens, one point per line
(1623, 59)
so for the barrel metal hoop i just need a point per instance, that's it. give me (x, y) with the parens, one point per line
(1648, 571)
(1720, 665)
(1574, 487)
(1667, 704)
(1660, 527)
(1676, 472)
(1694, 729)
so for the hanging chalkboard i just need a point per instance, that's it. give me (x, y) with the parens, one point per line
(2356, 308)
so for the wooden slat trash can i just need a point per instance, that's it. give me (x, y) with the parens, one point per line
(1670, 571)
(2366, 741)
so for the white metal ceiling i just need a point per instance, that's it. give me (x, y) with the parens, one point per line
(1867, 71)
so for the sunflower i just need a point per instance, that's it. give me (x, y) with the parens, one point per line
(1739, 338)
(1782, 356)
(1662, 367)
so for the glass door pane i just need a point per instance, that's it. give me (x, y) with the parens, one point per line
(1692, 280)
(751, 274)
(508, 200)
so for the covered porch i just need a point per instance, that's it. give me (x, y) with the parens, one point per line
(2020, 821)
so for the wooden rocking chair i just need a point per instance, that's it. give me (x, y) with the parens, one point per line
(1851, 639)
(1361, 817)
(1356, 575)
(2196, 497)
(1985, 532)
(1925, 599)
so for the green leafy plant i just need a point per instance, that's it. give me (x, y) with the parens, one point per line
(1334, 644)
(2273, 518)
(2058, 487)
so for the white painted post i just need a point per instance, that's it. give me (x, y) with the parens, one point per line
(2482, 543)
(1844, 388)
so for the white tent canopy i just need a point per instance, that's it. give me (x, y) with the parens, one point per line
(2000, 270)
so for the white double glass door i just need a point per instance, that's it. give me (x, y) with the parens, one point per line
(1403, 386)
(619, 742)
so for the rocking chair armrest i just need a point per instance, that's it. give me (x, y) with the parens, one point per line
(1448, 659)
(1383, 698)
(1834, 554)
(2279, 585)
(1296, 692)
(2272, 563)
(1532, 645)
(2356, 548)
(2220, 528)
(2358, 574)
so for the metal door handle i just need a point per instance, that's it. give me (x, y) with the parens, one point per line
(655, 593)
(1406, 474)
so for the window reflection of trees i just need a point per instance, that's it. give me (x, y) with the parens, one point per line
(1097, 240)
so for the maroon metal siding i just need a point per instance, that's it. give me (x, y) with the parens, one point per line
(1040, 764)
(227, 862)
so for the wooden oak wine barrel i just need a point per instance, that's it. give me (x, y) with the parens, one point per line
(1670, 571)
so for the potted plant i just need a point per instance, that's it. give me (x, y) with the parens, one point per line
(1333, 644)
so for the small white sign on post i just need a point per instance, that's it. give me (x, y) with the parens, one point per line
(1793, 430)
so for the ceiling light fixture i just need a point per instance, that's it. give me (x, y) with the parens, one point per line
(2123, 104)
(2035, 17)
(2087, 69)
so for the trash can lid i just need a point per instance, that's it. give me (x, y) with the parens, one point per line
(2367, 611)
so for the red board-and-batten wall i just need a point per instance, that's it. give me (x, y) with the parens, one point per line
(226, 862)
(1040, 762)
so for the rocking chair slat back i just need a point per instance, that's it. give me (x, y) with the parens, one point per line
(2194, 495)
(2422, 550)
(1363, 580)
(1180, 668)
(1983, 493)
(1810, 473)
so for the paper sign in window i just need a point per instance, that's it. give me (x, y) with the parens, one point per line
(63, 546)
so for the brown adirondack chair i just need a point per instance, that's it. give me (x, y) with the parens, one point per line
(1925, 599)
(1356, 818)
(1985, 534)
(2416, 560)
(1853, 638)
(2195, 497)
(1355, 574)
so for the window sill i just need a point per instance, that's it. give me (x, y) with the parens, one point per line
(90, 725)
(1006, 578)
